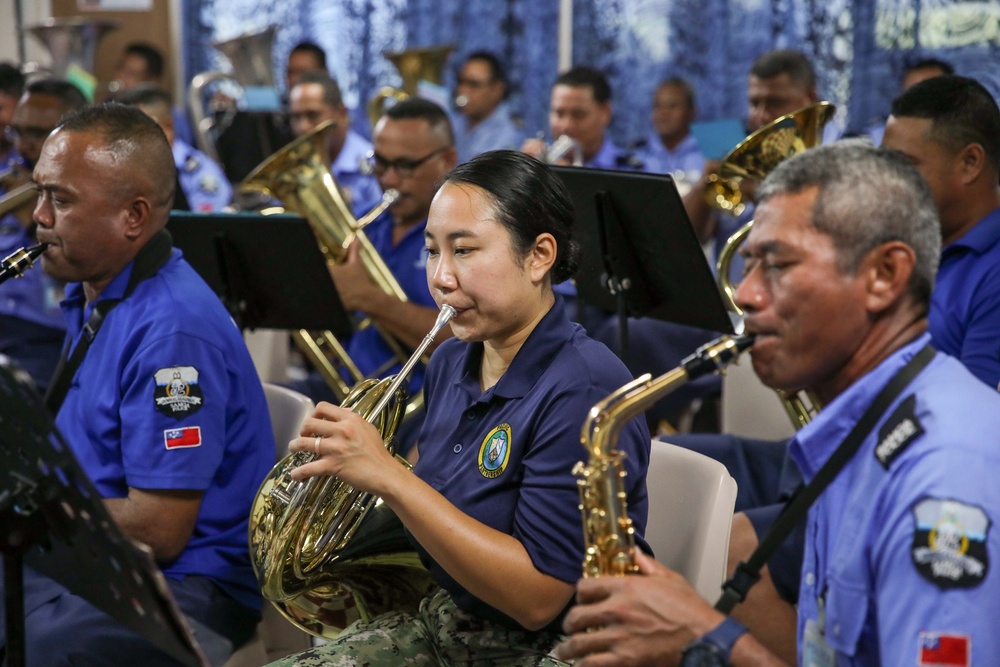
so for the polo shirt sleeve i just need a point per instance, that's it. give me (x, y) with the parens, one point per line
(173, 413)
(980, 349)
(547, 519)
(937, 591)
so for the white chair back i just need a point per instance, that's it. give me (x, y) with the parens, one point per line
(749, 409)
(691, 500)
(288, 409)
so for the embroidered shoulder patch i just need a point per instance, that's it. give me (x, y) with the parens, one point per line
(177, 392)
(899, 430)
(495, 451)
(949, 542)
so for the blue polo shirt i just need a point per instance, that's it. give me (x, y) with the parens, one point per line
(900, 550)
(505, 456)
(965, 305)
(494, 132)
(363, 188)
(685, 157)
(611, 157)
(167, 397)
(407, 260)
(204, 183)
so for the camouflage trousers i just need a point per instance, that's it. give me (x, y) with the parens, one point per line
(438, 634)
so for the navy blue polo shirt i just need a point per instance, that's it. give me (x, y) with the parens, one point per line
(505, 456)
(167, 397)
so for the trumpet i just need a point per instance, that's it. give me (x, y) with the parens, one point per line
(564, 147)
(18, 262)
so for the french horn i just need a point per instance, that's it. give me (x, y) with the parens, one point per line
(327, 554)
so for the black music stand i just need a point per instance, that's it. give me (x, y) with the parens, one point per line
(267, 269)
(54, 520)
(641, 257)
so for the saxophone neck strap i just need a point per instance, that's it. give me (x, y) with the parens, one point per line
(147, 263)
(747, 573)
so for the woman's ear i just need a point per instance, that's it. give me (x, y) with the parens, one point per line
(542, 257)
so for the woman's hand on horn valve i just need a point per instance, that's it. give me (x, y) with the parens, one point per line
(347, 447)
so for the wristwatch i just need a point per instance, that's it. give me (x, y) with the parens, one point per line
(713, 648)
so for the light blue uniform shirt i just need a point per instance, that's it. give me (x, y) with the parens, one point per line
(364, 189)
(204, 183)
(659, 159)
(897, 564)
(494, 132)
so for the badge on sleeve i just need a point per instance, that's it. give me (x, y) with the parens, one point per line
(177, 392)
(182, 438)
(939, 649)
(900, 429)
(949, 542)
(494, 452)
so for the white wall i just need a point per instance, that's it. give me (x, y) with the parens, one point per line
(32, 11)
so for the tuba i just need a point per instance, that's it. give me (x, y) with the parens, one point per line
(609, 538)
(253, 68)
(72, 44)
(298, 176)
(414, 66)
(327, 554)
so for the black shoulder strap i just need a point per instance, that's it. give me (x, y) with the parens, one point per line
(148, 262)
(747, 574)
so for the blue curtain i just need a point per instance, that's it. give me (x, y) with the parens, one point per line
(858, 46)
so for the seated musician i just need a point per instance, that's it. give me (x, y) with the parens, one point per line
(492, 505)
(896, 571)
(162, 407)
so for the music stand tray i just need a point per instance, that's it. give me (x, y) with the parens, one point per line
(54, 520)
(641, 256)
(267, 269)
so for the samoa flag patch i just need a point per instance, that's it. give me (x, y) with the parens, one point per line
(179, 438)
(949, 542)
(941, 649)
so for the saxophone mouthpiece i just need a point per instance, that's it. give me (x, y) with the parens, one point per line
(16, 263)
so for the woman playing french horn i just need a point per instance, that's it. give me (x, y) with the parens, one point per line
(492, 505)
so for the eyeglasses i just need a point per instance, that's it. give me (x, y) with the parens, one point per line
(405, 167)
(473, 83)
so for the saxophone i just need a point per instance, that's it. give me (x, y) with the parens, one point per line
(609, 537)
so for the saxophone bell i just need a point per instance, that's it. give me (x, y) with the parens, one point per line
(18, 262)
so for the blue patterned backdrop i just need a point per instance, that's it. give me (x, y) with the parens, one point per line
(858, 46)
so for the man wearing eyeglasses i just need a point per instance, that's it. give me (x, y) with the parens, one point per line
(315, 98)
(413, 149)
(483, 122)
(32, 326)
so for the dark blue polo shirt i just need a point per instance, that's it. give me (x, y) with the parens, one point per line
(505, 456)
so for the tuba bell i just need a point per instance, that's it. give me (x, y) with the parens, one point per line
(756, 157)
(72, 45)
(414, 66)
(326, 554)
(299, 177)
(250, 56)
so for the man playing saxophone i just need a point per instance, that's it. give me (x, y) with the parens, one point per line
(492, 505)
(839, 269)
